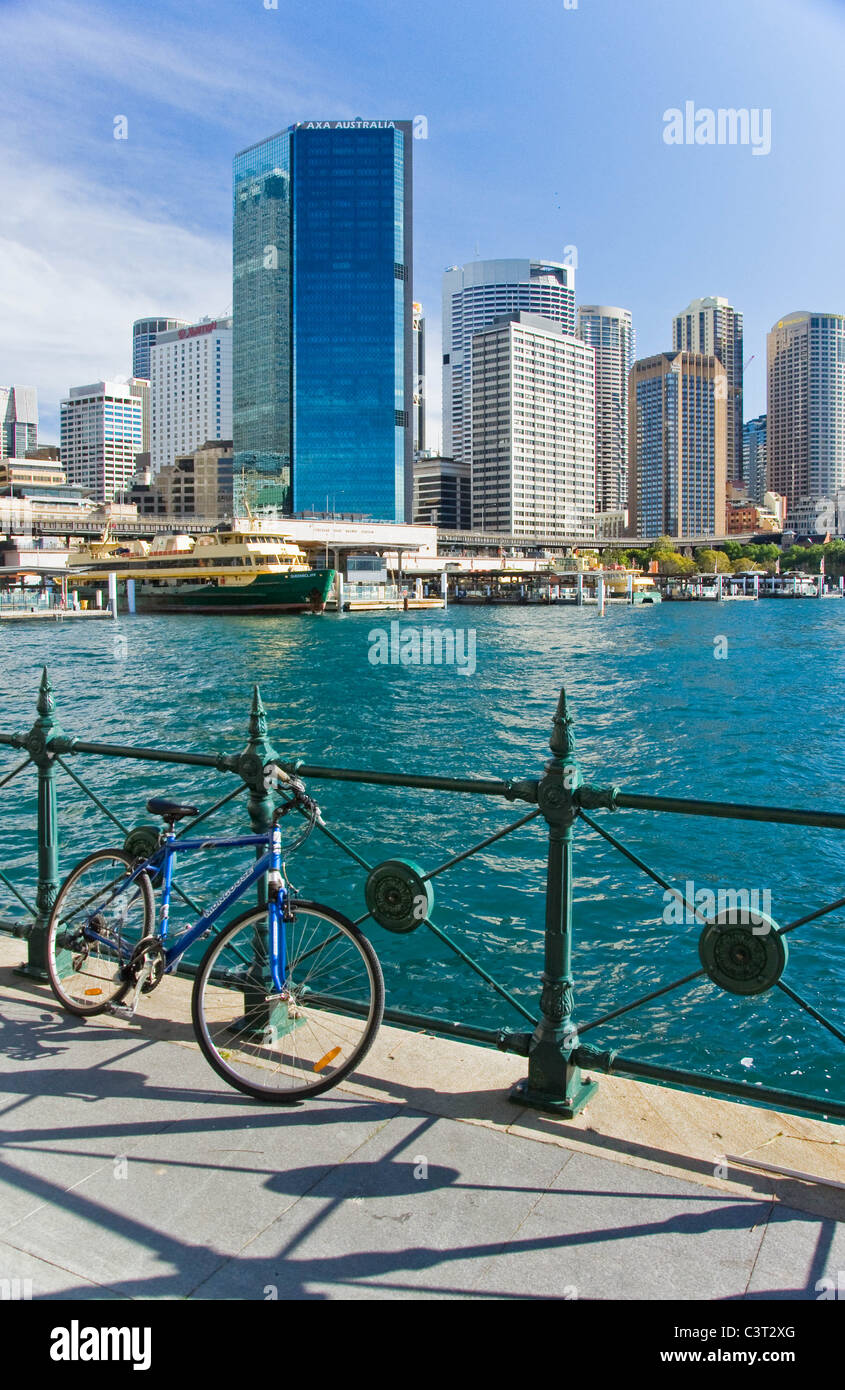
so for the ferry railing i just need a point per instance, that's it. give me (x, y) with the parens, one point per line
(742, 952)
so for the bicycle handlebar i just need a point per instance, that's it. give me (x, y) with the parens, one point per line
(276, 776)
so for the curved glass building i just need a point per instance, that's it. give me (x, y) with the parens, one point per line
(144, 335)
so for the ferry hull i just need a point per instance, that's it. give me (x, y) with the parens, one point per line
(303, 592)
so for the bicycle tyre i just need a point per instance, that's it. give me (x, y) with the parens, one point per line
(274, 1072)
(102, 967)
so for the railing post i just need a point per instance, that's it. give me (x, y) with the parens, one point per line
(258, 752)
(258, 1019)
(38, 739)
(554, 1082)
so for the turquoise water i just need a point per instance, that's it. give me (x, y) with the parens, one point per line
(655, 711)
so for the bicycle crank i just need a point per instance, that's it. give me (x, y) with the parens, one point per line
(147, 965)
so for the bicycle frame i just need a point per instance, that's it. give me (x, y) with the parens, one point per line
(162, 862)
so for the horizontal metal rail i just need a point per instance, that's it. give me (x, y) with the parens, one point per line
(469, 785)
(725, 810)
(120, 750)
(560, 796)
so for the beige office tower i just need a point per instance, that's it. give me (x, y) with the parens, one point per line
(713, 327)
(805, 440)
(533, 429)
(677, 434)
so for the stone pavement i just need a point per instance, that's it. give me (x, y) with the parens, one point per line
(129, 1171)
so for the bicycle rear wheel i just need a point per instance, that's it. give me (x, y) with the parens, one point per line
(96, 923)
(284, 1047)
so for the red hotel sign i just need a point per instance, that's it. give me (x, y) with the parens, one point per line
(197, 329)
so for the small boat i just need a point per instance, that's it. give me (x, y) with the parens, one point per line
(227, 571)
(644, 590)
(643, 587)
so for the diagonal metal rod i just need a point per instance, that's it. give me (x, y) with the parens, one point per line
(814, 1013)
(93, 796)
(21, 899)
(473, 965)
(195, 907)
(479, 970)
(811, 916)
(645, 999)
(9, 775)
(450, 863)
(230, 796)
(676, 892)
(347, 849)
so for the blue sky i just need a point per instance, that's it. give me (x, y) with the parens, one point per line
(545, 130)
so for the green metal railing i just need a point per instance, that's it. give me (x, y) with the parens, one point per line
(741, 953)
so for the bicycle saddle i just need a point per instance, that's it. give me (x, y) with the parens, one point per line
(170, 810)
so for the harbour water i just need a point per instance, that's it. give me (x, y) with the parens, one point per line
(739, 702)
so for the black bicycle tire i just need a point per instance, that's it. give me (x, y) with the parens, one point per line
(315, 1088)
(145, 886)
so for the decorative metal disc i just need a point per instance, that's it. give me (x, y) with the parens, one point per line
(396, 895)
(742, 952)
(142, 842)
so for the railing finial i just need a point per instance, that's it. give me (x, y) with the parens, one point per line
(562, 740)
(257, 716)
(45, 703)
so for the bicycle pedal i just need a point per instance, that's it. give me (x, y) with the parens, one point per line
(125, 1011)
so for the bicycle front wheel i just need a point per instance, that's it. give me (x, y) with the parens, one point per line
(285, 1046)
(97, 921)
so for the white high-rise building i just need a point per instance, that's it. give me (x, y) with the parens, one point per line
(190, 389)
(610, 332)
(101, 432)
(805, 423)
(713, 328)
(473, 296)
(533, 429)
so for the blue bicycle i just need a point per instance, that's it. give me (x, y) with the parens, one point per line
(286, 1000)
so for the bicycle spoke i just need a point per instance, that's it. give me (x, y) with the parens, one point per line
(98, 918)
(280, 1046)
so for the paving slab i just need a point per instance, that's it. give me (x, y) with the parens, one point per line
(423, 1205)
(23, 1276)
(130, 1169)
(799, 1258)
(611, 1232)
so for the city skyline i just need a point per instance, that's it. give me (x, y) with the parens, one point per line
(487, 178)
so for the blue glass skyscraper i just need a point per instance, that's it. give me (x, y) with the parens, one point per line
(323, 319)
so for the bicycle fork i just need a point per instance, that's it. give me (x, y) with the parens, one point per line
(279, 1018)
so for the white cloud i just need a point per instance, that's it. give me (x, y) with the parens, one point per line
(187, 61)
(75, 270)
